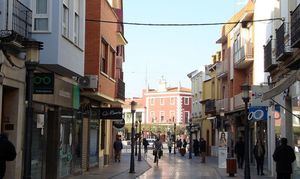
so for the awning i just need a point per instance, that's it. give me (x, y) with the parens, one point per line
(282, 85)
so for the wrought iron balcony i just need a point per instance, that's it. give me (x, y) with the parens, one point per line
(222, 69)
(210, 106)
(282, 45)
(15, 20)
(295, 28)
(243, 56)
(268, 57)
(120, 90)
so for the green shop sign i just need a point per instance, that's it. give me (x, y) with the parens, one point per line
(43, 83)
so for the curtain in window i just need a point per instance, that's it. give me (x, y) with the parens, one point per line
(41, 6)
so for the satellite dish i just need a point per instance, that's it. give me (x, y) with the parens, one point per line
(84, 82)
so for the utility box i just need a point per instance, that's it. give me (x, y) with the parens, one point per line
(231, 166)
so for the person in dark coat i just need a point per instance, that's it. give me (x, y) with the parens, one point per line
(179, 144)
(196, 147)
(7, 153)
(284, 156)
(184, 144)
(239, 151)
(145, 144)
(118, 146)
(259, 154)
(203, 149)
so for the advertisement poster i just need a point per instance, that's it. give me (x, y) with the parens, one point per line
(222, 152)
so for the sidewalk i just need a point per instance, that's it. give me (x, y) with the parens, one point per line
(116, 170)
(213, 161)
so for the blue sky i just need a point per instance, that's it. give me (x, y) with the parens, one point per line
(171, 52)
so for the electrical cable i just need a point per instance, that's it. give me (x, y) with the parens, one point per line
(182, 24)
(285, 109)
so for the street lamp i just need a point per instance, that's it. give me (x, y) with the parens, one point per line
(32, 60)
(140, 134)
(133, 108)
(190, 147)
(136, 137)
(222, 114)
(245, 96)
(174, 137)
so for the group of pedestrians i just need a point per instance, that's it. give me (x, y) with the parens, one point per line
(283, 155)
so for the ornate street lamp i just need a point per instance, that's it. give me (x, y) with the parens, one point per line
(245, 96)
(174, 137)
(32, 60)
(140, 134)
(222, 114)
(133, 109)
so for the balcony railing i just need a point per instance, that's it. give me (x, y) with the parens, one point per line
(282, 46)
(295, 27)
(15, 18)
(222, 103)
(243, 56)
(238, 101)
(120, 90)
(210, 106)
(222, 68)
(268, 57)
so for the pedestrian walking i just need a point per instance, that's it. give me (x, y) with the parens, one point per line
(239, 151)
(118, 146)
(145, 144)
(259, 154)
(196, 147)
(184, 143)
(202, 149)
(284, 156)
(170, 145)
(179, 144)
(7, 153)
(157, 148)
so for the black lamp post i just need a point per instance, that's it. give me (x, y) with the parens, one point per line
(133, 108)
(246, 88)
(174, 137)
(140, 134)
(136, 137)
(190, 146)
(32, 60)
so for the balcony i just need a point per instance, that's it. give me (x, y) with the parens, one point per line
(243, 57)
(120, 90)
(210, 106)
(15, 20)
(222, 103)
(238, 101)
(270, 63)
(283, 49)
(222, 69)
(295, 28)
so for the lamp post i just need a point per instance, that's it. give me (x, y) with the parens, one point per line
(32, 60)
(222, 114)
(245, 96)
(136, 137)
(174, 137)
(140, 134)
(133, 108)
(190, 146)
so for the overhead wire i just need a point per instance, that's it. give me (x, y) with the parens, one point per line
(182, 24)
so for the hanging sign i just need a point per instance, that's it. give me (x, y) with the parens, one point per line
(111, 113)
(119, 124)
(43, 83)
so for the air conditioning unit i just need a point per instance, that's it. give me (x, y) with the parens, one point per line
(89, 81)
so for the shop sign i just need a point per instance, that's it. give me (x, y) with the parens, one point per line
(119, 124)
(111, 113)
(258, 113)
(257, 94)
(43, 83)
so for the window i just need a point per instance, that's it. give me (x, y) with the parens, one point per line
(104, 57)
(152, 115)
(112, 62)
(152, 101)
(162, 116)
(162, 102)
(65, 20)
(76, 29)
(186, 101)
(186, 116)
(172, 115)
(172, 100)
(41, 15)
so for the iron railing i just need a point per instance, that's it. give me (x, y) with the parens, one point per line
(295, 27)
(269, 65)
(210, 106)
(280, 45)
(244, 52)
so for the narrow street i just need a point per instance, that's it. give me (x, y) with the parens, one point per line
(176, 166)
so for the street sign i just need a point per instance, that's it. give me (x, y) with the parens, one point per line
(256, 96)
(258, 113)
(111, 113)
(43, 83)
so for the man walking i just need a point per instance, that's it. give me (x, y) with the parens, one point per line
(202, 149)
(239, 151)
(7, 153)
(259, 154)
(118, 146)
(284, 156)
